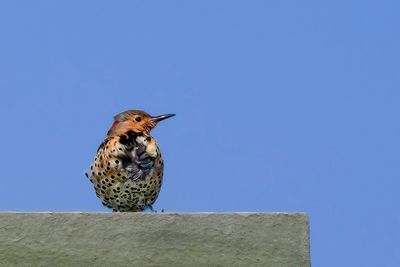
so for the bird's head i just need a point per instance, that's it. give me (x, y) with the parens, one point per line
(137, 121)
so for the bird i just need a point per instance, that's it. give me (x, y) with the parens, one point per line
(127, 171)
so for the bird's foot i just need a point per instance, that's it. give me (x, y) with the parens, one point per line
(151, 209)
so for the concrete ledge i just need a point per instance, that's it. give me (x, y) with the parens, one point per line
(154, 239)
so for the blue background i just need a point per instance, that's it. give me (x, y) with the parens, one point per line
(281, 106)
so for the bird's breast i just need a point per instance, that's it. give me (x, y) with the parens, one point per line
(127, 175)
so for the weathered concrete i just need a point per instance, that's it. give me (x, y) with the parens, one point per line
(148, 239)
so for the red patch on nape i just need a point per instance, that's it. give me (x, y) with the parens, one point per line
(114, 124)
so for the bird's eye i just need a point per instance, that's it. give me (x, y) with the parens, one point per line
(138, 119)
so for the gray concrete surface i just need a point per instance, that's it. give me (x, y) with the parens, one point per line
(154, 239)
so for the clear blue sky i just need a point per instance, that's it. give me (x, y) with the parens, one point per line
(281, 106)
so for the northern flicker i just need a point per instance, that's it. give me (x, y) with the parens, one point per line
(128, 169)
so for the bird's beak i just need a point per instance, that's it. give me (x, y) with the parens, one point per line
(161, 117)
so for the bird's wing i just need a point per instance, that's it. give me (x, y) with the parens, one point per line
(137, 155)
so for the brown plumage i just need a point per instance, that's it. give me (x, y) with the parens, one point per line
(128, 168)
